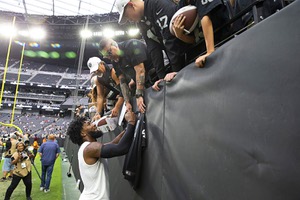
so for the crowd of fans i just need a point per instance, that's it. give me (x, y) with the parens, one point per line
(132, 63)
(35, 124)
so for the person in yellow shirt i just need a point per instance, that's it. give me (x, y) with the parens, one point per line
(22, 171)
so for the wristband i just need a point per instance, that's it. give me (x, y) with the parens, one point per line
(139, 93)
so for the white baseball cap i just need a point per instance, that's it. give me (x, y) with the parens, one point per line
(120, 5)
(93, 64)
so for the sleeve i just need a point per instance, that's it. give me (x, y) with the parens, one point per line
(117, 69)
(155, 50)
(154, 47)
(205, 7)
(158, 62)
(175, 51)
(112, 150)
(119, 88)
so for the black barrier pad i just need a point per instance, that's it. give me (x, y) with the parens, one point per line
(229, 130)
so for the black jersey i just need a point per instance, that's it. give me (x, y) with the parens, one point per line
(154, 46)
(217, 12)
(215, 9)
(159, 13)
(133, 52)
(111, 89)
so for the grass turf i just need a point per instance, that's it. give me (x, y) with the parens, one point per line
(55, 185)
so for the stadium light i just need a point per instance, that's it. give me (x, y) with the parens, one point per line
(118, 33)
(108, 33)
(24, 33)
(133, 32)
(86, 33)
(37, 33)
(98, 33)
(8, 30)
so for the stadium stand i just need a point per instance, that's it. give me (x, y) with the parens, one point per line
(31, 66)
(203, 110)
(14, 77)
(35, 124)
(26, 65)
(230, 130)
(71, 82)
(53, 68)
(72, 70)
(48, 79)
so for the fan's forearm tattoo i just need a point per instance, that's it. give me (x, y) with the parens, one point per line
(125, 90)
(142, 80)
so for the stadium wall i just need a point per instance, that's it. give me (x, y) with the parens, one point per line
(230, 130)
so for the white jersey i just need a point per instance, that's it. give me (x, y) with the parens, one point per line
(94, 177)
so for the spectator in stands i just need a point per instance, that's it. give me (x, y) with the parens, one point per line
(79, 111)
(49, 151)
(9, 151)
(130, 58)
(92, 154)
(156, 51)
(159, 14)
(22, 171)
(212, 15)
(106, 91)
(154, 46)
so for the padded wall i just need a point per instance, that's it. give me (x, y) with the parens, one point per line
(230, 130)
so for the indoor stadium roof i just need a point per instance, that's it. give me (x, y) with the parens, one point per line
(58, 7)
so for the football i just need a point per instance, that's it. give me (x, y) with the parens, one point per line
(191, 18)
(101, 121)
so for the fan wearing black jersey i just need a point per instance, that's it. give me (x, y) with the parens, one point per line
(130, 58)
(212, 14)
(159, 14)
(106, 91)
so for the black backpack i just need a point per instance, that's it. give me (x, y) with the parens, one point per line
(133, 161)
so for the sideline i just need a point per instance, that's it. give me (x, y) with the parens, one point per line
(69, 189)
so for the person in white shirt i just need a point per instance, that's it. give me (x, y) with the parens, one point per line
(92, 154)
